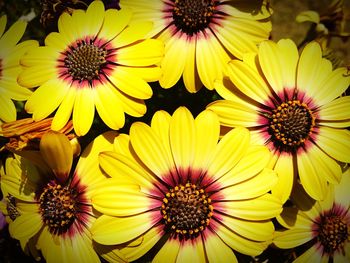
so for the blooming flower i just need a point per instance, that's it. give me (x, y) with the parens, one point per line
(96, 59)
(174, 180)
(10, 54)
(50, 207)
(291, 103)
(202, 36)
(324, 226)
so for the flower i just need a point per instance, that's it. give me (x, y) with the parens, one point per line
(323, 226)
(52, 206)
(202, 36)
(92, 61)
(10, 54)
(291, 103)
(174, 181)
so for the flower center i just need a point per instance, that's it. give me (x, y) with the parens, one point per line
(192, 16)
(333, 232)
(291, 123)
(58, 207)
(85, 61)
(186, 211)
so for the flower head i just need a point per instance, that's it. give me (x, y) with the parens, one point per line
(323, 226)
(174, 181)
(291, 103)
(98, 58)
(50, 206)
(10, 53)
(202, 36)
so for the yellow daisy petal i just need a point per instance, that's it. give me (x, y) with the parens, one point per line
(335, 142)
(37, 75)
(132, 106)
(84, 110)
(233, 114)
(335, 110)
(135, 55)
(149, 74)
(290, 218)
(248, 81)
(262, 208)
(26, 226)
(7, 109)
(56, 40)
(288, 54)
(172, 72)
(168, 252)
(257, 231)
(13, 59)
(95, 14)
(64, 111)
(182, 144)
(285, 171)
(64, 24)
(292, 238)
(341, 194)
(207, 131)
(150, 238)
(313, 184)
(133, 32)
(114, 22)
(130, 84)
(108, 106)
(3, 22)
(271, 65)
(37, 55)
(58, 153)
(46, 99)
(217, 251)
(109, 230)
(190, 73)
(239, 243)
(11, 37)
(191, 249)
(231, 148)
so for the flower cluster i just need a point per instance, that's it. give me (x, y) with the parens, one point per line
(262, 166)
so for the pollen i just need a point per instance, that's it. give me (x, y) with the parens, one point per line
(58, 207)
(186, 211)
(192, 16)
(290, 125)
(85, 61)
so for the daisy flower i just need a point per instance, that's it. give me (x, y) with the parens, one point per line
(10, 54)
(323, 226)
(52, 205)
(98, 58)
(202, 36)
(173, 181)
(291, 103)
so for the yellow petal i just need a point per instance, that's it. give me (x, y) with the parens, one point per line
(39, 55)
(190, 74)
(109, 106)
(335, 142)
(94, 17)
(132, 106)
(26, 226)
(168, 252)
(109, 230)
(46, 99)
(144, 53)
(64, 111)
(149, 74)
(312, 255)
(58, 153)
(231, 148)
(314, 185)
(311, 16)
(114, 22)
(37, 75)
(207, 130)
(130, 84)
(133, 32)
(3, 22)
(182, 138)
(11, 37)
(7, 109)
(216, 250)
(174, 60)
(288, 54)
(335, 110)
(261, 208)
(191, 250)
(83, 111)
(271, 65)
(67, 31)
(292, 238)
(234, 114)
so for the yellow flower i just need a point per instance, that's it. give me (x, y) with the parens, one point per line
(323, 226)
(202, 36)
(174, 180)
(291, 103)
(10, 54)
(51, 205)
(98, 58)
